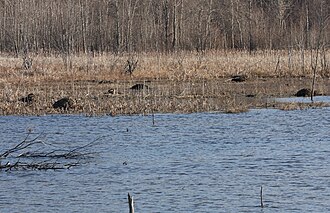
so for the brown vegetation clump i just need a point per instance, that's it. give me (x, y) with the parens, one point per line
(301, 106)
(171, 83)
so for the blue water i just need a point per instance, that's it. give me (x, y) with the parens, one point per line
(325, 99)
(204, 162)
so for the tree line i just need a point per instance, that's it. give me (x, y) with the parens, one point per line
(82, 26)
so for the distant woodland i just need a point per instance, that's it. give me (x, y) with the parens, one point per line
(116, 26)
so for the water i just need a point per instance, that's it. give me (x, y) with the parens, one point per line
(325, 99)
(204, 162)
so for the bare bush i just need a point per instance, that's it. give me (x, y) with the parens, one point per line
(131, 66)
(27, 63)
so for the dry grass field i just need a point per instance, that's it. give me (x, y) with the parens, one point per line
(180, 82)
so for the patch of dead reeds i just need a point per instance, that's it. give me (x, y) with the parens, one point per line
(179, 82)
(300, 106)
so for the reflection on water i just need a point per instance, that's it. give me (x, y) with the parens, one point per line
(204, 162)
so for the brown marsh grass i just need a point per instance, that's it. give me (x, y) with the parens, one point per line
(179, 82)
(301, 106)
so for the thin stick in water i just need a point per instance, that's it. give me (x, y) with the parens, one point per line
(153, 119)
(261, 199)
(130, 203)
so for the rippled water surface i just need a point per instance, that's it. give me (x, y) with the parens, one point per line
(204, 162)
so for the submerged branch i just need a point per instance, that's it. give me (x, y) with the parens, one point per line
(19, 157)
(37, 166)
(22, 145)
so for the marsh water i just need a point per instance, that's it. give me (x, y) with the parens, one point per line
(201, 162)
(316, 99)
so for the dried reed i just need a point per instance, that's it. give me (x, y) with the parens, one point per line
(179, 82)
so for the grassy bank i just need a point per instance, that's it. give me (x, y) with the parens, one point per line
(178, 82)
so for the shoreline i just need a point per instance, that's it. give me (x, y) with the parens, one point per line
(180, 82)
(106, 97)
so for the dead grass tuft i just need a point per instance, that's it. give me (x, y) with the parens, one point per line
(301, 106)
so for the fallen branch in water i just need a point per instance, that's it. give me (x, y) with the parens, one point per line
(35, 154)
(23, 145)
(36, 166)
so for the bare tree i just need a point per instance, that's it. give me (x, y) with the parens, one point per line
(323, 18)
(85, 26)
